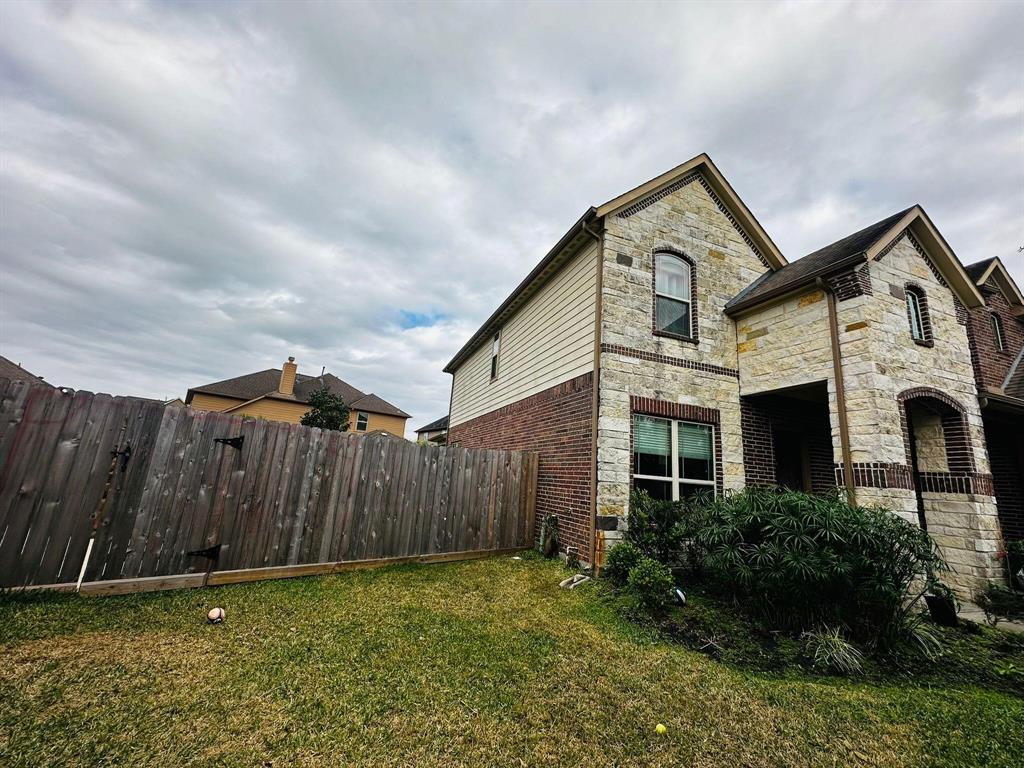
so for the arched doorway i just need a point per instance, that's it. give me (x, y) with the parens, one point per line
(937, 441)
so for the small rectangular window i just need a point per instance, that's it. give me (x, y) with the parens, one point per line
(672, 460)
(495, 348)
(914, 315)
(362, 420)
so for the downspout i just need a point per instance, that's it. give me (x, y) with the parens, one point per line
(451, 401)
(837, 372)
(596, 399)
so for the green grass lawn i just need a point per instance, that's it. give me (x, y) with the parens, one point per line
(476, 664)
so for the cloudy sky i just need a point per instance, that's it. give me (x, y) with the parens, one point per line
(190, 191)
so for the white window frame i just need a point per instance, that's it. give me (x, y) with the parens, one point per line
(687, 300)
(495, 352)
(675, 479)
(362, 421)
(914, 315)
(997, 331)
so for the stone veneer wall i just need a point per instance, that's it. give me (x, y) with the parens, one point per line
(557, 423)
(636, 362)
(882, 362)
(788, 344)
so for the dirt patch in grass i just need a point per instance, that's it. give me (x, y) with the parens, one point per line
(470, 664)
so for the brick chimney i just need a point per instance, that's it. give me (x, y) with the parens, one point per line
(287, 385)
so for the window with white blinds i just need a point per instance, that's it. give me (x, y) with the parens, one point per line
(672, 459)
(672, 289)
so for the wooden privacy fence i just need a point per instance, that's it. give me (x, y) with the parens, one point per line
(187, 497)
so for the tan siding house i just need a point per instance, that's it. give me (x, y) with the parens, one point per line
(562, 313)
(282, 395)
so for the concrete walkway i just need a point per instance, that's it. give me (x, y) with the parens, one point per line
(971, 612)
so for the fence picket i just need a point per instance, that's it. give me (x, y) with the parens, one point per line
(292, 500)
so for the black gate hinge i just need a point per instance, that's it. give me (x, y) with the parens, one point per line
(234, 442)
(122, 455)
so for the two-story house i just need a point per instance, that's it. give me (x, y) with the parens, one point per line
(665, 343)
(282, 394)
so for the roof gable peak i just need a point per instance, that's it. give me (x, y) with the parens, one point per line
(701, 168)
(993, 270)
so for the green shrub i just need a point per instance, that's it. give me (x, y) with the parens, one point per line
(803, 561)
(999, 602)
(622, 558)
(657, 527)
(650, 584)
(829, 651)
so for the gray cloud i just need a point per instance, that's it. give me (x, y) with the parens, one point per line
(190, 191)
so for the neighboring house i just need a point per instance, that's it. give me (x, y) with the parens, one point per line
(13, 371)
(435, 432)
(996, 331)
(282, 394)
(665, 343)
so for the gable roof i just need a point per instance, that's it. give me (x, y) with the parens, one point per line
(11, 370)
(992, 269)
(582, 231)
(434, 426)
(862, 246)
(703, 165)
(839, 254)
(1014, 384)
(263, 384)
(373, 404)
(979, 268)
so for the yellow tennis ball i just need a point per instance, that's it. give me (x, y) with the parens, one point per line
(661, 729)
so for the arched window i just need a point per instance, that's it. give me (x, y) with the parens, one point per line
(673, 300)
(917, 315)
(997, 332)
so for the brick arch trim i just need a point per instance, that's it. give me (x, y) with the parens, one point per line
(955, 432)
(694, 336)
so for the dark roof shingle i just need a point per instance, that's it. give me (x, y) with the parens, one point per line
(1014, 384)
(801, 271)
(375, 404)
(264, 384)
(11, 370)
(434, 426)
(977, 269)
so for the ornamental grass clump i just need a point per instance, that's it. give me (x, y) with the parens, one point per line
(803, 561)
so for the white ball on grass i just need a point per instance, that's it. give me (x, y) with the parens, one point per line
(215, 616)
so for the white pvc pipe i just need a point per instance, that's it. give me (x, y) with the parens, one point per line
(81, 574)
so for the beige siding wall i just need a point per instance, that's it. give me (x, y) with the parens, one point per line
(202, 402)
(282, 410)
(378, 421)
(274, 410)
(548, 341)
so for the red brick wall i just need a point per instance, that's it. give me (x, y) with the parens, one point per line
(1005, 440)
(556, 423)
(761, 416)
(991, 365)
